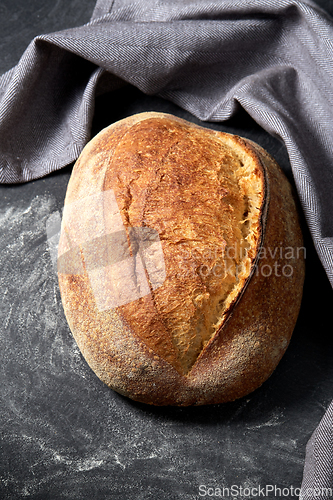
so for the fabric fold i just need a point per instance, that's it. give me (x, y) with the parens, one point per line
(272, 59)
(318, 470)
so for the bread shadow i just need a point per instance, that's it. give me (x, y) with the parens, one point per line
(303, 379)
(304, 376)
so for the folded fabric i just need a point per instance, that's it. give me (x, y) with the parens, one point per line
(318, 470)
(272, 58)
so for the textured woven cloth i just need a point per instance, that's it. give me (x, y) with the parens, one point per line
(272, 58)
(318, 469)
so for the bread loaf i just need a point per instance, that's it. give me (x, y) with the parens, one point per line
(180, 262)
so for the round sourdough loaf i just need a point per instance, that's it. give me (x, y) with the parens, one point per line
(180, 261)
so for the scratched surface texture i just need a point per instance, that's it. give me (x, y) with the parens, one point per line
(64, 435)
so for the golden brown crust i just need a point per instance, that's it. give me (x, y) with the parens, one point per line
(166, 174)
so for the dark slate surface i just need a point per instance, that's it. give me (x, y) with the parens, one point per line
(64, 434)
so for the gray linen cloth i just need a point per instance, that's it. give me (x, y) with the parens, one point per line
(275, 59)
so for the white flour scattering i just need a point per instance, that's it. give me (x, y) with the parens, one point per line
(65, 435)
(31, 313)
(36, 348)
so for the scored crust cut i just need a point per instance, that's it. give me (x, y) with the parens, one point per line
(180, 261)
